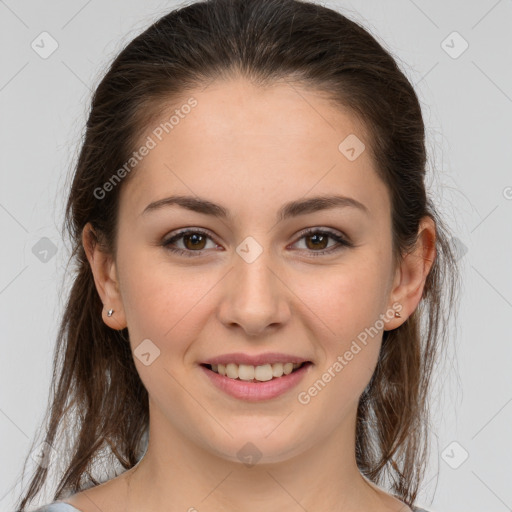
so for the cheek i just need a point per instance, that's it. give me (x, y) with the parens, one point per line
(345, 298)
(163, 302)
(347, 302)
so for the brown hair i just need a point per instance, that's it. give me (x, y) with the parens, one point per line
(94, 374)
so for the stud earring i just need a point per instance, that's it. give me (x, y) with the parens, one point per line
(110, 312)
(397, 314)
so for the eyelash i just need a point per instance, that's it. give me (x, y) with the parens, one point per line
(343, 242)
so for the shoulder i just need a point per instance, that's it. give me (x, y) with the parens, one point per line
(107, 496)
(57, 506)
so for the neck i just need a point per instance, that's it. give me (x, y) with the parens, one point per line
(320, 476)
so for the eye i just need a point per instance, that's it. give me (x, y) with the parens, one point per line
(317, 240)
(195, 240)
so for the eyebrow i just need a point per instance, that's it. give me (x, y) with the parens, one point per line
(287, 211)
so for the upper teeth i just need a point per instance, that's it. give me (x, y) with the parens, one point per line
(248, 372)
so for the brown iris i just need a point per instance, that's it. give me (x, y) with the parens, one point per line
(195, 239)
(323, 238)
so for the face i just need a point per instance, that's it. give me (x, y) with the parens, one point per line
(252, 282)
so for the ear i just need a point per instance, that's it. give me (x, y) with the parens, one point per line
(410, 276)
(105, 278)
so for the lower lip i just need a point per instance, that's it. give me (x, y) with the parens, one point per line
(257, 391)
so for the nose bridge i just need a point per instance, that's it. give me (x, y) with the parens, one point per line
(256, 298)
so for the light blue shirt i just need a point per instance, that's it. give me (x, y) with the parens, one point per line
(57, 506)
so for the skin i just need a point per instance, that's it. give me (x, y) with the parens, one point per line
(252, 149)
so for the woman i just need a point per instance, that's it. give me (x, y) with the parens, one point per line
(260, 280)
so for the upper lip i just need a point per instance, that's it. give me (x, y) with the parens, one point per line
(255, 360)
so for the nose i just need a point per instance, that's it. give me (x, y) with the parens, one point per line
(255, 297)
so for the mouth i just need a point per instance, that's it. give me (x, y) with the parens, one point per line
(256, 383)
(261, 373)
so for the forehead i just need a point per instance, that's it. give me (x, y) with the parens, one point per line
(248, 145)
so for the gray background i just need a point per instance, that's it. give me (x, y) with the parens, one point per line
(467, 103)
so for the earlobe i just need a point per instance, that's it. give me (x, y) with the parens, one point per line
(105, 278)
(413, 271)
(114, 319)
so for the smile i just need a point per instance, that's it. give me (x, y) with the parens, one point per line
(253, 389)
